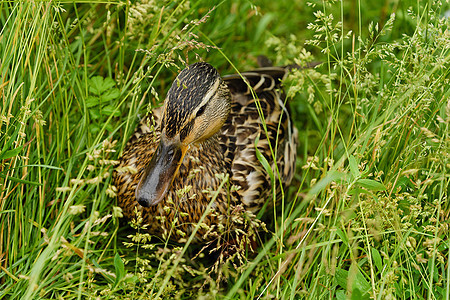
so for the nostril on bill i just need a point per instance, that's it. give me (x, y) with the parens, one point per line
(143, 202)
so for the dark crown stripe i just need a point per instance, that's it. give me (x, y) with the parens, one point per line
(187, 92)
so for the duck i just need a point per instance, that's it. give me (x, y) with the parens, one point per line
(217, 146)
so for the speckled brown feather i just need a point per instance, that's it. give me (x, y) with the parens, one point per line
(231, 151)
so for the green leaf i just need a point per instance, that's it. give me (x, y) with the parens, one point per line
(95, 85)
(94, 128)
(357, 295)
(109, 128)
(110, 94)
(108, 83)
(340, 295)
(357, 191)
(360, 286)
(11, 153)
(342, 235)
(371, 184)
(131, 279)
(120, 269)
(20, 180)
(404, 182)
(264, 162)
(98, 85)
(110, 110)
(45, 166)
(353, 166)
(324, 182)
(92, 101)
(9, 141)
(341, 278)
(94, 113)
(108, 277)
(376, 257)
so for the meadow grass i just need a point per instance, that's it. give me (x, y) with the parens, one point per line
(366, 216)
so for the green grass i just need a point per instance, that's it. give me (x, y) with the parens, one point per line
(366, 216)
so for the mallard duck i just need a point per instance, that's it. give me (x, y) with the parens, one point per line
(206, 132)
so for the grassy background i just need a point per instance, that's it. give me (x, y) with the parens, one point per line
(366, 216)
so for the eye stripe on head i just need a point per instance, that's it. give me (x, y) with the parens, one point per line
(200, 111)
(211, 92)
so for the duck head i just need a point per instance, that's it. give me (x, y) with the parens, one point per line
(196, 107)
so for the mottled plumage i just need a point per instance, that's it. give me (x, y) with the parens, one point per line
(215, 122)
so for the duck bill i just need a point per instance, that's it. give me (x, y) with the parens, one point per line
(159, 173)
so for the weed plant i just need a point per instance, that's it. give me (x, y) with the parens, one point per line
(366, 216)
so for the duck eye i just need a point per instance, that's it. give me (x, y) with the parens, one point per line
(201, 110)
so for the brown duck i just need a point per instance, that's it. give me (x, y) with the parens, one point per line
(198, 153)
